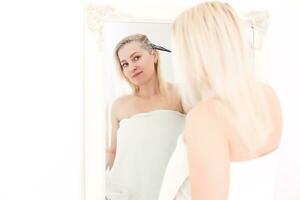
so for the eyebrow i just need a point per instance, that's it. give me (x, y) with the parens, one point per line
(130, 56)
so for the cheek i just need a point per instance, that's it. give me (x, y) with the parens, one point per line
(148, 64)
(126, 74)
(142, 63)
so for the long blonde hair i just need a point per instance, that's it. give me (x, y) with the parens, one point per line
(145, 44)
(213, 59)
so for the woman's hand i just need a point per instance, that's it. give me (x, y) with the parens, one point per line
(110, 158)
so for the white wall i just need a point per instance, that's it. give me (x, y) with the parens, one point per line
(285, 48)
(40, 100)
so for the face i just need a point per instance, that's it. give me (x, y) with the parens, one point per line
(137, 63)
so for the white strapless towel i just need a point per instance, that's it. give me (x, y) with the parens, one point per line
(145, 144)
(249, 180)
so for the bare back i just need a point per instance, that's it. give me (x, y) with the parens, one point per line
(237, 148)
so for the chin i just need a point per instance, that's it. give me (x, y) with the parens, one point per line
(139, 82)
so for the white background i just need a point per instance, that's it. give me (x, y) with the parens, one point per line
(41, 102)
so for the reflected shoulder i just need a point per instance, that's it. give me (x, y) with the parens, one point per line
(119, 103)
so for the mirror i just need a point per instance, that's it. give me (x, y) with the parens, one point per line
(145, 133)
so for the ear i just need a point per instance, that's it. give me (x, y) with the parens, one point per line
(155, 54)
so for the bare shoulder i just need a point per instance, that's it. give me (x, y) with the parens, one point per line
(122, 99)
(204, 121)
(272, 99)
(119, 104)
(274, 107)
(272, 94)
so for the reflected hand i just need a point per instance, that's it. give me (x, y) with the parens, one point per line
(110, 157)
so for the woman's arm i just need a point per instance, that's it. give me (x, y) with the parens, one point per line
(208, 153)
(111, 150)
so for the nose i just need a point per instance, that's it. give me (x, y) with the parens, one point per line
(132, 67)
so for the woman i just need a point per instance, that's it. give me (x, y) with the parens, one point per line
(233, 126)
(145, 124)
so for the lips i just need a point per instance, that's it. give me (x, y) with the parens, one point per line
(136, 74)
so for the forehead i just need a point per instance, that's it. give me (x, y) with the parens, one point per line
(128, 49)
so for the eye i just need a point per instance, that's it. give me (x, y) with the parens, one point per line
(124, 65)
(136, 58)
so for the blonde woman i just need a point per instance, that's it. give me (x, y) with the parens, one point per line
(145, 124)
(234, 123)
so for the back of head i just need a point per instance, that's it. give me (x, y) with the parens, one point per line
(214, 59)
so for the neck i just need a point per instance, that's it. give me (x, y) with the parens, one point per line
(149, 89)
